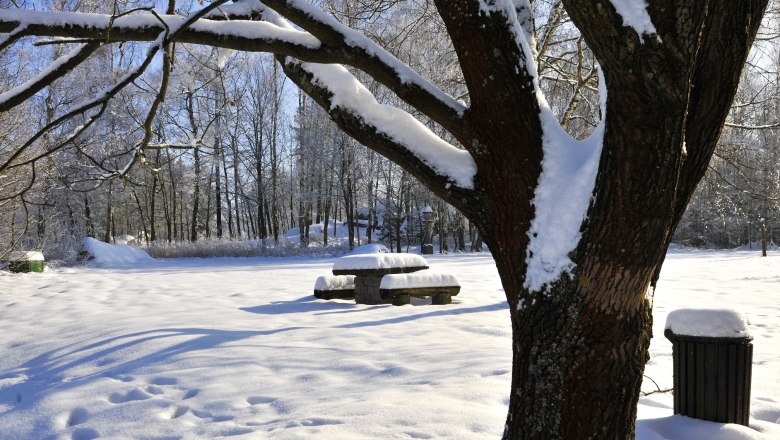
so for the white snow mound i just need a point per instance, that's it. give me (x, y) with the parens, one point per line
(716, 323)
(115, 255)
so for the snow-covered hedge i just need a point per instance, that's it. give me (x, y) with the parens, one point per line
(248, 248)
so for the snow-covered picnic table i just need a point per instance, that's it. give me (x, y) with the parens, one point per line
(370, 268)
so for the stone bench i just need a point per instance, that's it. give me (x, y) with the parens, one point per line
(400, 288)
(370, 268)
(335, 286)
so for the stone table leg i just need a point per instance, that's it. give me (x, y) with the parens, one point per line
(367, 290)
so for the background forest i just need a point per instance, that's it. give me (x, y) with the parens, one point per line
(239, 157)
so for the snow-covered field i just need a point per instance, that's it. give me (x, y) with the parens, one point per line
(221, 347)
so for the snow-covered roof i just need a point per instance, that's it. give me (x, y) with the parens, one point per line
(715, 323)
(25, 256)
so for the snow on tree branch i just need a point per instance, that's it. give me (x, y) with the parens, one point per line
(55, 70)
(165, 36)
(348, 95)
(360, 51)
(562, 197)
(345, 45)
(569, 167)
(11, 37)
(518, 16)
(234, 34)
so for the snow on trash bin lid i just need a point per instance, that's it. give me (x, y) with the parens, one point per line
(713, 323)
(25, 256)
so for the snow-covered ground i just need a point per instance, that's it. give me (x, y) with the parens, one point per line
(220, 347)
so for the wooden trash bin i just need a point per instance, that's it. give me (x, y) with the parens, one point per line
(712, 376)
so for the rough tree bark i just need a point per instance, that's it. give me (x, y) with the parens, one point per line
(581, 347)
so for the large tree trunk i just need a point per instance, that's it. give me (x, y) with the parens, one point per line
(580, 344)
(577, 368)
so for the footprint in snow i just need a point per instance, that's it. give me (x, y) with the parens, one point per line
(419, 435)
(234, 432)
(321, 422)
(495, 373)
(105, 361)
(136, 394)
(281, 407)
(84, 434)
(154, 389)
(180, 411)
(77, 417)
(314, 422)
(258, 400)
(120, 377)
(212, 417)
(164, 381)
(190, 394)
(278, 406)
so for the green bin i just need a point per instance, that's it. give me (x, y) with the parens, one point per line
(21, 262)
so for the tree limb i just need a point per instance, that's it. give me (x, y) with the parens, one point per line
(455, 189)
(348, 46)
(53, 72)
(355, 49)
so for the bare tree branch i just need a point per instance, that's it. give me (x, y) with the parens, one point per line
(357, 50)
(12, 37)
(373, 136)
(346, 46)
(752, 127)
(53, 72)
(163, 38)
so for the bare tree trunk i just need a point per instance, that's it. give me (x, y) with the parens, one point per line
(237, 188)
(444, 217)
(152, 206)
(169, 220)
(88, 217)
(216, 172)
(108, 236)
(207, 213)
(275, 215)
(141, 216)
(173, 232)
(196, 153)
(229, 207)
